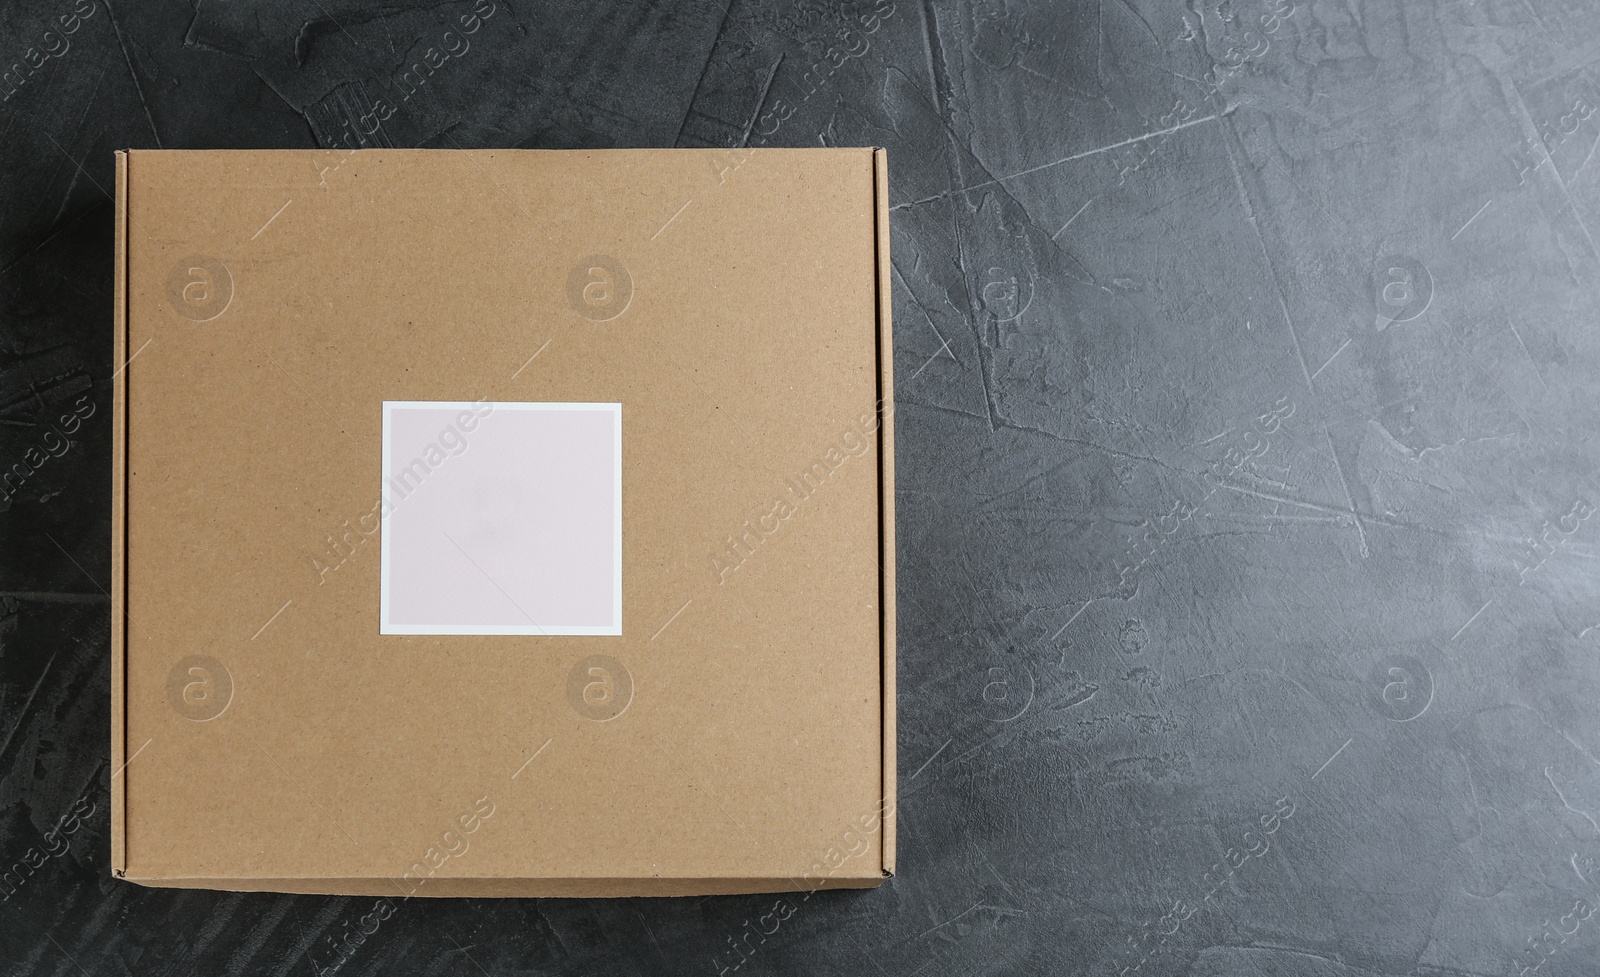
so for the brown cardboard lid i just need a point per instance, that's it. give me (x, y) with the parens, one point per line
(270, 302)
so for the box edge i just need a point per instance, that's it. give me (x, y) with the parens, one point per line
(886, 538)
(517, 887)
(119, 482)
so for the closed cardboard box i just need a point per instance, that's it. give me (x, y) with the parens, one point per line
(503, 522)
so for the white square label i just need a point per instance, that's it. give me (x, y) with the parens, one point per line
(501, 518)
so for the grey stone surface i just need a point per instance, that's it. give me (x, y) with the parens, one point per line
(1246, 428)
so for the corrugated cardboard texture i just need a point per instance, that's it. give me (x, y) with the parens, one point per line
(269, 302)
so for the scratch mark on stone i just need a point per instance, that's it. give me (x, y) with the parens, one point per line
(1568, 804)
(1266, 255)
(761, 101)
(1361, 530)
(1334, 757)
(1214, 437)
(1554, 171)
(1074, 217)
(937, 72)
(1472, 218)
(138, 88)
(1330, 360)
(930, 760)
(947, 922)
(1077, 698)
(942, 350)
(81, 170)
(924, 309)
(1137, 16)
(705, 69)
(1539, 22)
(1074, 617)
(1065, 159)
(85, 973)
(306, 29)
(1529, 355)
(1474, 617)
(941, 408)
(26, 703)
(92, 580)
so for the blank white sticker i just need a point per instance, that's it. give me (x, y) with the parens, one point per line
(501, 518)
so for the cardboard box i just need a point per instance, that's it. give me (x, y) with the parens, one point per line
(503, 523)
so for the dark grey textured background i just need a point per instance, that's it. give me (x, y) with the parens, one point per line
(1246, 438)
